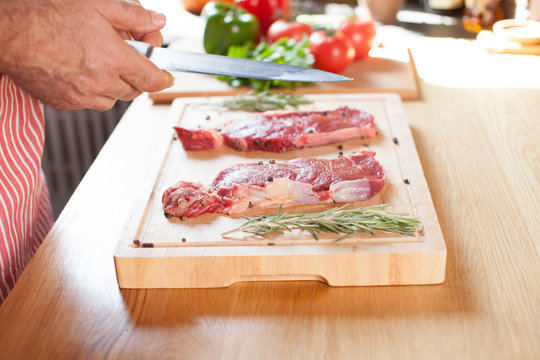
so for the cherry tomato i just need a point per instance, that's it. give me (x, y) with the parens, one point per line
(332, 53)
(267, 11)
(281, 28)
(361, 33)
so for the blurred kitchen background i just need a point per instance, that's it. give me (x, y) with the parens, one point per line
(73, 139)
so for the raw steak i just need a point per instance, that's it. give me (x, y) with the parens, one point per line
(302, 181)
(280, 132)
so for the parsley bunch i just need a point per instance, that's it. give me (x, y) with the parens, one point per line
(283, 51)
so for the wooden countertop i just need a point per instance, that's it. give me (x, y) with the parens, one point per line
(477, 131)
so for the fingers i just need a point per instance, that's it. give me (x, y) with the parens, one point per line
(131, 16)
(141, 73)
(130, 19)
(154, 38)
(101, 103)
(121, 90)
(106, 101)
(102, 95)
(125, 35)
(149, 82)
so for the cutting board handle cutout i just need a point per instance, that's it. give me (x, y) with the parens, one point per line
(289, 277)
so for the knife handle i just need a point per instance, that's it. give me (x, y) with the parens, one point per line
(142, 48)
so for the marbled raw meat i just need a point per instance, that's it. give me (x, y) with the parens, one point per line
(278, 132)
(302, 181)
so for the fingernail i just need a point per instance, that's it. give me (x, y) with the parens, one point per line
(158, 19)
(170, 79)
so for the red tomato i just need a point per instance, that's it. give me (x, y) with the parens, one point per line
(332, 53)
(267, 11)
(281, 28)
(361, 34)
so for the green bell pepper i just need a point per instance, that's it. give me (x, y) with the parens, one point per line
(227, 25)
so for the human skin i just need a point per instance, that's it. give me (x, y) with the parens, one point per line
(71, 54)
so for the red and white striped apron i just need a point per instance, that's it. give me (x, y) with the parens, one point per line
(25, 211)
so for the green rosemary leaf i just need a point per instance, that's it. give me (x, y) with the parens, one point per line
(345, 237)
(338, 220)
(264, 101)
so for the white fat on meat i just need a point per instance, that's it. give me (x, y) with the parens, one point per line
(350, 190)
(283, 192)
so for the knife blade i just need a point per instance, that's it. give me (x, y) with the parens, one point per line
(179, 60)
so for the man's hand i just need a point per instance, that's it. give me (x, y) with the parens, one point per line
(71, 54)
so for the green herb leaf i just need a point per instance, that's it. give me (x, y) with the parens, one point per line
(264, 101)
(337, 220)
(283, 51)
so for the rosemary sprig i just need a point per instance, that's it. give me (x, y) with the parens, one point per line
(337, 220)
(264, 101)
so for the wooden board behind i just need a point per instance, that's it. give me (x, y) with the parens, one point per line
(192, 253)
(387, 70)
(497, 45)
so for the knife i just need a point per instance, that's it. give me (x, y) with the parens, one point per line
(179, 60)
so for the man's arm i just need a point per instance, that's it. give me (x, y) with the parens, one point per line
(71, 54)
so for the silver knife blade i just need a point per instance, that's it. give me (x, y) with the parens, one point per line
(179, 60)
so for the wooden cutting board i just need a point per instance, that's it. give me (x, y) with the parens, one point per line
(192, 253)
(497, 45)
(387, 70)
